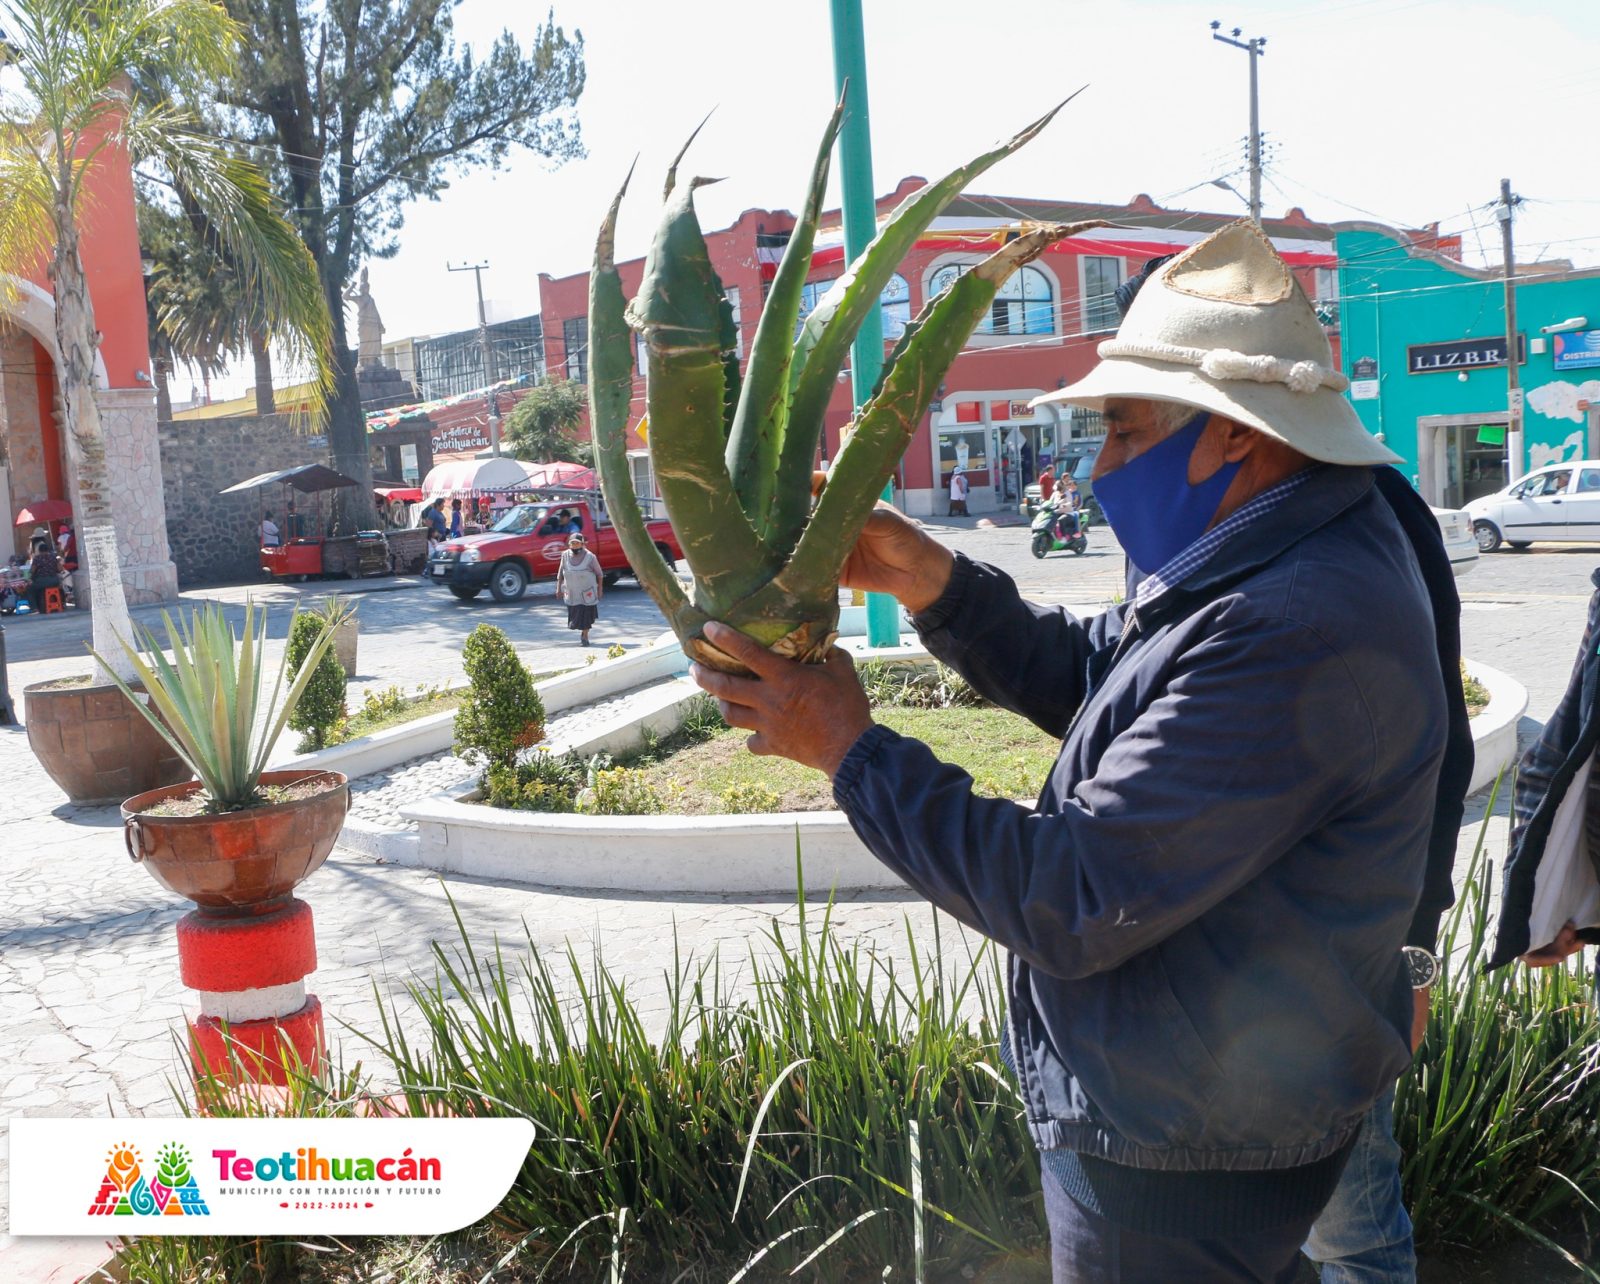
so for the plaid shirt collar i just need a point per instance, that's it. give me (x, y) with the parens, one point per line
(1197, 554)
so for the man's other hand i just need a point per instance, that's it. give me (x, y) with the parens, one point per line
(811, 713)
(1565, 944)
(896, 556)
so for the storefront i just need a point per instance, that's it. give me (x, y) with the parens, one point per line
(1423, 338)
(1002, 444)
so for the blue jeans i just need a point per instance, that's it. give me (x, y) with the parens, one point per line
(1364, 1234)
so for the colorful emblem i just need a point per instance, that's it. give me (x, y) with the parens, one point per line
(126, 1190)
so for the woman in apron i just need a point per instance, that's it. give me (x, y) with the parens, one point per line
(580, 584)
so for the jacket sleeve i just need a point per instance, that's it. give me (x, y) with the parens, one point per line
(1204, 790)
(1455, 771)
(1029, 659)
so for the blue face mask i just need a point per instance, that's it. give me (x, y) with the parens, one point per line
(1153, 510)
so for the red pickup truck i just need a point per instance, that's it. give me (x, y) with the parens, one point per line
(526, 544)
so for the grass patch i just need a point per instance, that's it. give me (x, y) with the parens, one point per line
(1006, 755)
(1476, 693)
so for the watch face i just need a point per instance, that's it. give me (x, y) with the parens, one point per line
(1422, 967)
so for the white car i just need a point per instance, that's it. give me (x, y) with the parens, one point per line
(1559, 503)
(1455, 527)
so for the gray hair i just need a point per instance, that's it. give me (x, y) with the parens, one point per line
(1170, 416)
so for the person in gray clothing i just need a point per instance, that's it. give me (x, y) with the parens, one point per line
(1206, 907)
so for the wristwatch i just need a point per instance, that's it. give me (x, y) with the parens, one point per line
(1422, 967)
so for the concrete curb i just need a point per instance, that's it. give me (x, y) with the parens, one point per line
(1494, 731)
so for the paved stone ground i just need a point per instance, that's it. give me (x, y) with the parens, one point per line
(89, 991)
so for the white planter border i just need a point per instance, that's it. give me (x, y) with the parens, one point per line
(1494, 731)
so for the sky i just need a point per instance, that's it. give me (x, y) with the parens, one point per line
(1404, 111)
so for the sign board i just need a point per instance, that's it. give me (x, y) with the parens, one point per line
(1514, 398)
(1363, 368)
(1461, 354)
(1021, 410)
(1364, 390)
(470, 435)
(1579, 350)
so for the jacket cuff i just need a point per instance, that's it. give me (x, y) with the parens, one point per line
(867, 747)
(949, 602)
(1424, 933)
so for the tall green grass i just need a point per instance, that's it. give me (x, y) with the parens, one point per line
(836, 1114)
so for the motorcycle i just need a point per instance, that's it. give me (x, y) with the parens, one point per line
(1057, 528)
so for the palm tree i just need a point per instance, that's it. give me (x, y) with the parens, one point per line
(75, 61)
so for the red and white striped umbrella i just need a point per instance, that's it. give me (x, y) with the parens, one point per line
(475, 477)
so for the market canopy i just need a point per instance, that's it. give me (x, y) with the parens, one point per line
(561, 476)
(45, 510)
(307, 477)
(475, 477)
(405, 494)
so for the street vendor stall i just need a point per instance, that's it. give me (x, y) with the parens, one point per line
(307, 550)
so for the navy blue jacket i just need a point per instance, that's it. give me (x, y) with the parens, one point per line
(1206, 906)
(1543, 777)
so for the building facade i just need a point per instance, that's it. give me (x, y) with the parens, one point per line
(1041, 333)
(35, 463)
(1424, 343)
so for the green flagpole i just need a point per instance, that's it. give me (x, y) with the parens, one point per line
(860, 226)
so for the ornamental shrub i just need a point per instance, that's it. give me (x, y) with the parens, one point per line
(502, 712)
(748, 798)
(321, 708)
(621, 791)
(543, 782)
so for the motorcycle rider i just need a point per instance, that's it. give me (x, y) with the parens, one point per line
(1068, 504)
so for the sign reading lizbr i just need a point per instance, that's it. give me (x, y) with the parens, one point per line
(1461, 354)
(260, 1176)
(1579, 350)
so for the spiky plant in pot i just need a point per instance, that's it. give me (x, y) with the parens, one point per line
(734, 457)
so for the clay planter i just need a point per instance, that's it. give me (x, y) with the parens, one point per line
(238, 862)
(95, 745)
(345, 638)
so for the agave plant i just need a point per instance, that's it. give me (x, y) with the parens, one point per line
(207, 698)
(734, 457)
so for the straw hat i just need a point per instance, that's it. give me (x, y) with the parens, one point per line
(1225, 327)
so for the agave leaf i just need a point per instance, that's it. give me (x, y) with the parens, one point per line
(679, 311)
(888, 422)
(610, 400)
(672, 169)
(732, 380)
(829, 330)
(763, 410)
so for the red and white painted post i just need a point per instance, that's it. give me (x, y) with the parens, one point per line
(251, 976)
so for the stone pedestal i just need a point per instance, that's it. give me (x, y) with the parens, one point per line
(133, 455)
(257, 1024)
(382, 387)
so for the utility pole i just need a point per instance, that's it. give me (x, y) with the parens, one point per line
(1256, 46)
(487, 348)
(860, 209)
(1514, 455)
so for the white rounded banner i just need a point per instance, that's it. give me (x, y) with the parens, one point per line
(260, 1176)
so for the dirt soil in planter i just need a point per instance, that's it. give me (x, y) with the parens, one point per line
(198, 804)
(1007, 755)
(66, 684)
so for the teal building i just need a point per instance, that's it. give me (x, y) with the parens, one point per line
(1423, 340)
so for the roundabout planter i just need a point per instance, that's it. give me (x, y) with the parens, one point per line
(250, 944)
(95, 745)
(1494, 730)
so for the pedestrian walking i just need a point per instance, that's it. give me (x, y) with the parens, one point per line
(1207, 908)
(958, 494)
(455, 519)
(581, 585)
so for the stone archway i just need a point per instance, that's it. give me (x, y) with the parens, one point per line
(37, 462)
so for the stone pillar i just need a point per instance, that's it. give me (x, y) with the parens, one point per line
(254, 1010)
(133, 455)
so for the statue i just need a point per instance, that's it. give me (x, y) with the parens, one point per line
(369, 326)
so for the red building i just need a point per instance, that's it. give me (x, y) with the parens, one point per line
(1041, 334)
(35, 463)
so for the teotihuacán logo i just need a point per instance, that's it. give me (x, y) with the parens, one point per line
(127, 1191)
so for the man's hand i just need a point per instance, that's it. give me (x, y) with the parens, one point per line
(811, 713)
(896, 556)
(1565, 944)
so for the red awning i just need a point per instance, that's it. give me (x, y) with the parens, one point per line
(46, 510)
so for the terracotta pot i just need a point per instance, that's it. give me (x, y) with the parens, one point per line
(344, 645)
(239, 862)
(95, 745)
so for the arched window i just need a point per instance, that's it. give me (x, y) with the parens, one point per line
(896, 304)
(1026, 304)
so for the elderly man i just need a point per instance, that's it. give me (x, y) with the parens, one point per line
(1207, 907)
